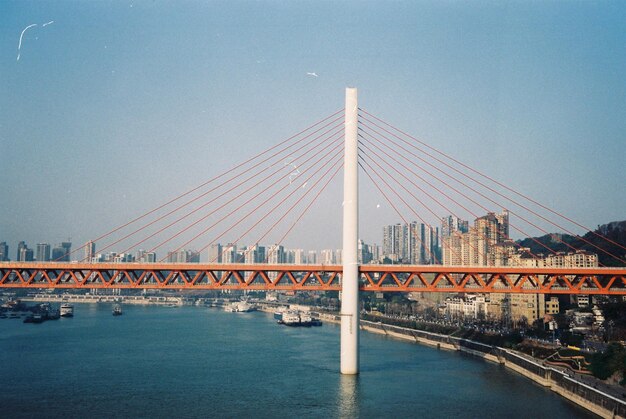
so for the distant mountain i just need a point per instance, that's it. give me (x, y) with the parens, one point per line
(615, 231)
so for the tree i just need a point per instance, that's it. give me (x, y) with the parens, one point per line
(613, 359)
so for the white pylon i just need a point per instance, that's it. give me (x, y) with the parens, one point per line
(350, 278)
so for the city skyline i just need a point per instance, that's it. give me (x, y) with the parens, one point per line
(536, 103)
(454, 242)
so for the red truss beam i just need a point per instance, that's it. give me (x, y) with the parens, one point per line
(376, 278)
(490, 279)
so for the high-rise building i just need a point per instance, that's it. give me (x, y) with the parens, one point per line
(276, 254)
(477, 245)
(328, 257)
(414, 243)
(43, 252)
(183, 256)
(142, 256)
(21, 245)
(396, 242)
(377, 252)
(90, 250)
(388, 241)
(61, 252)
(261, 255)
(229, 253)
(423, 244)
(298, 257)
(364, 252)
(215, 253)
(450, 224)
(4, 252)
(250, 255)
(26, 254)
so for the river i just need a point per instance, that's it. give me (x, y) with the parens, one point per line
(193, 362)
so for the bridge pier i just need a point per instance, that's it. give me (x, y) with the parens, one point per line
(350, 278)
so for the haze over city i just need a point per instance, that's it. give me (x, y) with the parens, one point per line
(112, 108)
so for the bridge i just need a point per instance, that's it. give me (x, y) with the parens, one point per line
(300, 169)
(285, 277)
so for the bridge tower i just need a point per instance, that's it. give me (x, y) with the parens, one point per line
(350, 278)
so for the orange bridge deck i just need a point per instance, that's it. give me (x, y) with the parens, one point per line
(377, 278)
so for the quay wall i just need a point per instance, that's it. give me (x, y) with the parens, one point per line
(560, 382)
(592, 399)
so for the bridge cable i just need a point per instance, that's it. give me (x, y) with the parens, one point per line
(253, 176)
(390, 202)
(285, 213)
(337, 153)
(487, 187)
(205, 183)
(428, 194)
(503, 185)
(363, 154)
(498, 193)
(433, 186)
(308, 206)
(522, 218)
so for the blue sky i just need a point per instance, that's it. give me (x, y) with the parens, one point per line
(118, 106)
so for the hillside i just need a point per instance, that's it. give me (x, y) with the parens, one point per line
(615, 231)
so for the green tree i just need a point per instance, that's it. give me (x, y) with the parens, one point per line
(605, 364)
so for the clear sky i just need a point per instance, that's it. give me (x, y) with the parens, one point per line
(117, 106)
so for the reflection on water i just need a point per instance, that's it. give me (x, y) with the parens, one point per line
(348, 396)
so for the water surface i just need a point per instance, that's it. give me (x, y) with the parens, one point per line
(204, 362)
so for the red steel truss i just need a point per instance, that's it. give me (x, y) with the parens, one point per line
(387, 278)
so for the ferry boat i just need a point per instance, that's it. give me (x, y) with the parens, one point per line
(291, 318)
(305, 319)
(67, 310)
(296, 318)
(117, 310)
(239, 307)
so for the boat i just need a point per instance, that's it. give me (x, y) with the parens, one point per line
(245, 307)
(239, 307)
(117, 310)
(34, 318)
(67, 310)
(291, 318)
(278, 315)
(54, 314)
(316, 322)
(305, 319)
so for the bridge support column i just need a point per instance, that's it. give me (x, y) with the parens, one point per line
(350, 278)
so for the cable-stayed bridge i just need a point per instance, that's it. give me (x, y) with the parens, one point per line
(266, 197)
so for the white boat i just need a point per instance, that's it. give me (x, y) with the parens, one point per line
(117, 310)
(239, 307)
(305, 319)
(67, 310)
(291, 318)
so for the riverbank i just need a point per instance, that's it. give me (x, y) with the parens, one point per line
(563, 383)
(594, 400)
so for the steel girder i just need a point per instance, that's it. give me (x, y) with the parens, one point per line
(377, 278)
